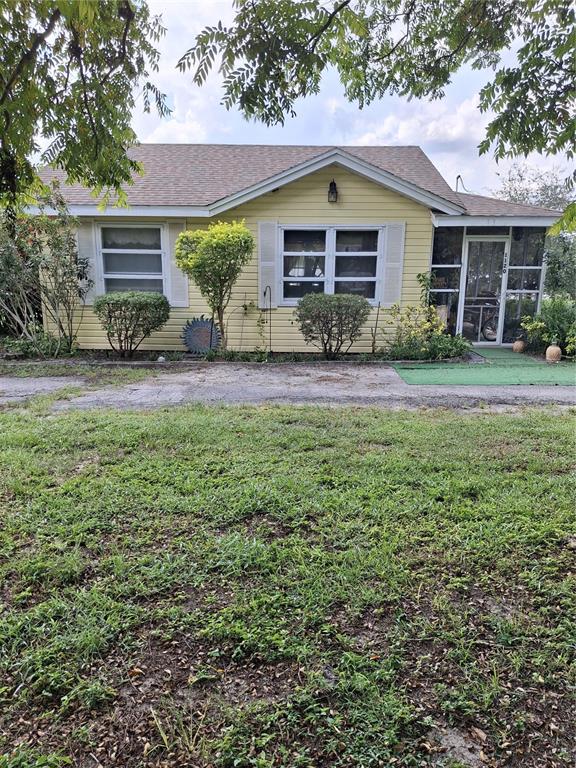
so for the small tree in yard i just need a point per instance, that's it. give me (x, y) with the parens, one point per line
(64, 275)
(332, 322)
(129, 318)
(41, 274)
(214, 259)
(19, 289)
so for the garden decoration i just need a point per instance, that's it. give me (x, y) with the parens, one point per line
(553, 353)
(519, 345)
(200, 335)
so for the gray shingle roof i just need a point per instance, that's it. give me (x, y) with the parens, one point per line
(478, 205)
(202, 174)
(196, 175)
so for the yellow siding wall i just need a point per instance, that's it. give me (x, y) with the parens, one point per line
(302, 202)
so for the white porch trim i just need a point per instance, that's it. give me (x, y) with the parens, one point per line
(493, 221)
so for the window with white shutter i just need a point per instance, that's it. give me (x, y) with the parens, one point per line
(361, 260)
(132, 257)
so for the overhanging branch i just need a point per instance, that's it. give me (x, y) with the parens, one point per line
(29, 55)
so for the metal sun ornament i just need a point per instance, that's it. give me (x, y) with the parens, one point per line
(200, 335)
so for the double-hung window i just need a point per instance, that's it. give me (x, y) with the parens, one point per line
(132, 257)
(330, 260)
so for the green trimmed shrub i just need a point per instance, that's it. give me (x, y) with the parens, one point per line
(130, 317)
(214, 259)
(332, 322)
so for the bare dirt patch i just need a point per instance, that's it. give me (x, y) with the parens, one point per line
(15, 390)
(454, 745)
(326, 384)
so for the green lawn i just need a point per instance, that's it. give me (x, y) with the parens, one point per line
(286, 587)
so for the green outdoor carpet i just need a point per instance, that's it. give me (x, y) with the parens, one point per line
(502, 367)
(505, 356)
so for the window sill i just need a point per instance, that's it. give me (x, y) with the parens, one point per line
(291, 305)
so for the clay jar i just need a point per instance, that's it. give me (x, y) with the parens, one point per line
(519, 345)
(553, 354)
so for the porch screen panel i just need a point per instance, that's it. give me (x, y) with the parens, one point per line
(446, 273)
(525, 276)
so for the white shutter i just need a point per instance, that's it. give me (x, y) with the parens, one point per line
(178, 281)
(267, 261)
(86, 239)
(393, 265)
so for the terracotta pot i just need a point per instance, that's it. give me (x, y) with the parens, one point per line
(553, 354)
(519, 345)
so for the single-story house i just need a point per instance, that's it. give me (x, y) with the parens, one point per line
(362, 220)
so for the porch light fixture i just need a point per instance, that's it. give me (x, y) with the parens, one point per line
(332, 192)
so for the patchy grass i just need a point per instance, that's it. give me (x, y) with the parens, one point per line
(286, 587)
(97, 375)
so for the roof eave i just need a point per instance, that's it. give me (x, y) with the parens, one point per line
(143, 211)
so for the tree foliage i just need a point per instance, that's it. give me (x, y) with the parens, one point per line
(532, 186)
(19, 286)
(332, 322)
(276, 51)
(560, 257)
(529, 185)
(214, 259)
(71, 73)
(130, 317)
(65, 277)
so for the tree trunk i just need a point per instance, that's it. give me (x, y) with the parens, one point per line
(222, 329)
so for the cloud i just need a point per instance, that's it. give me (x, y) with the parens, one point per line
(196, 112)
(436, 123)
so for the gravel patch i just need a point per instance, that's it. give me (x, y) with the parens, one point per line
(15, 389)
(353, 385)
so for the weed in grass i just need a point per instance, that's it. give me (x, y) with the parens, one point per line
(26, 758)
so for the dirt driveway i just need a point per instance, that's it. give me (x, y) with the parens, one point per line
(323, 384)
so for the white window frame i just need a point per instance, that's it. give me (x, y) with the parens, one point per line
(164, 254)
(330, 254)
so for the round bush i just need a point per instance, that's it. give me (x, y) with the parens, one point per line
(332, 322)
(130, 317)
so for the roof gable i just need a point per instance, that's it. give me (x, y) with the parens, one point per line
(342, 158)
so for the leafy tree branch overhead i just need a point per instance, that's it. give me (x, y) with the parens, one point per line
(529, 186)
(276, 51)
(71, 74)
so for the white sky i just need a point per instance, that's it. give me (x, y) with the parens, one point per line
(449, 130)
